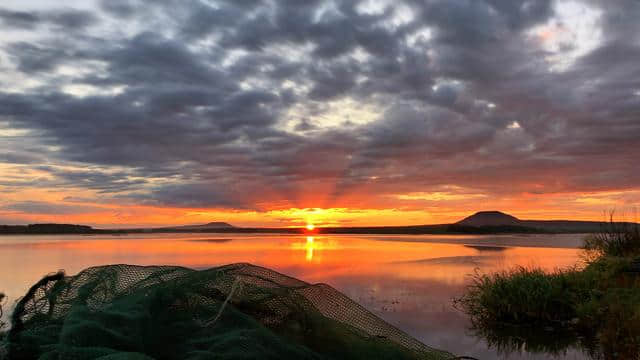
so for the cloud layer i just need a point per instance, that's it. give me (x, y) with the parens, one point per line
(266, 105)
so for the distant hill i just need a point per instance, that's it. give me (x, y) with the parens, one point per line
(490, 218)
(211, 225)
(497, 221)
(216, 224)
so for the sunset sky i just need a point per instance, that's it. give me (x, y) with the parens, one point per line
(121, 113)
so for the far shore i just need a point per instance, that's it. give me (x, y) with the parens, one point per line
(440, 229)
(482, 222)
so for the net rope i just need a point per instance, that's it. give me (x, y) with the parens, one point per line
(238, 311)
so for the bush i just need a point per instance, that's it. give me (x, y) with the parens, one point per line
(620, 239)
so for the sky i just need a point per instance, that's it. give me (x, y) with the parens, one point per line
(123, 113)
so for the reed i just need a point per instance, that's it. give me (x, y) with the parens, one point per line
(520, 295)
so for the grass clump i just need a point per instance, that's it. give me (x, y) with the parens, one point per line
(519, 295)
(595, 307)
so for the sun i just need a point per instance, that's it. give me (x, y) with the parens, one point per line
(310, 227)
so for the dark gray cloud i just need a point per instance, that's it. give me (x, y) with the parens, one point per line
(94, 179)
(217, 104)
(20, 19)
(60, 19)
(13, 157)
(194, 195)
(40, 207)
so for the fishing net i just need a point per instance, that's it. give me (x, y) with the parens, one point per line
(237, 311)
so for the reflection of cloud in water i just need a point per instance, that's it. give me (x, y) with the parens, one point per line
(569, 241)
(450, 260)
(487, 247)
(210, 240)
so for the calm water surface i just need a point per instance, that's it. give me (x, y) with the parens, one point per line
(407, 280)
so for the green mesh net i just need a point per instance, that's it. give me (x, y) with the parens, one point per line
(236, 311)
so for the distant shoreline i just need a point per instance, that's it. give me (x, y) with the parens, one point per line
(547, 227)
(480, 223)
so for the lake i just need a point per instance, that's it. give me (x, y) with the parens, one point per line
(408, 280)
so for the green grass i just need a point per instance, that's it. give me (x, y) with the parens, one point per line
(595, 307)
(520, 295)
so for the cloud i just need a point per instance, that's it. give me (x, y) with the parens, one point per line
(231, 104)
(20, 19)
(191, 195)
(62, 19)
(40, 207)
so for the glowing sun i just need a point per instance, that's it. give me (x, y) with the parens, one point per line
(310, 227)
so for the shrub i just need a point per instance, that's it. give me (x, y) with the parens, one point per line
(620, 239)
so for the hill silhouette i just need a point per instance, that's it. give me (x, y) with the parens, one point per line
(218, 224)
(497, 221)
(490, 218)
(211, 225)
